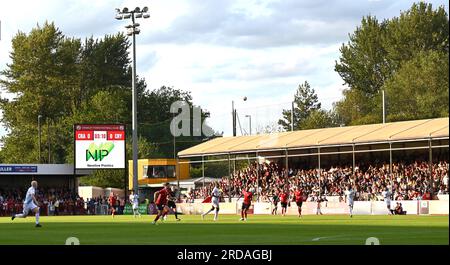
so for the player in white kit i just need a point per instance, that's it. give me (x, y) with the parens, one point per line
(350, 197)
(215, 194)
(387, 199)
(134, 200)
(30, 204)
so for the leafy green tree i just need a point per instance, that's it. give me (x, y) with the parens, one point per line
(421, 28)
(362, 64)
(69, 81)
(58, 78)
(377, 52)
(156, 128)
(319, 119)
(420, 88)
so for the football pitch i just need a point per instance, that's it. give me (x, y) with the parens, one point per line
(257, 230)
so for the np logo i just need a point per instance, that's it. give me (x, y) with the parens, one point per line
(98, 152)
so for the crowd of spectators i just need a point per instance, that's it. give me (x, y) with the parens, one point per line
(408, 181)
(57, 202)
(53, 201)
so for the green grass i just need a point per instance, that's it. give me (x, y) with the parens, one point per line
(310, 230)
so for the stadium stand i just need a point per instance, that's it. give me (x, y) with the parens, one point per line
(409, 181)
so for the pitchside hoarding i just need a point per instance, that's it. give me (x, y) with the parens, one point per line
(99, 146)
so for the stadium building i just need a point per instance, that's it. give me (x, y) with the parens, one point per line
(60, 176)
(425, 140)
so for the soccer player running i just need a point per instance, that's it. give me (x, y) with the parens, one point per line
(350, 197)
(319, 205)
(298, 195)
(215, 194)
(284, 198)
(30, 204)
(248, 196)
(275, 200)
(387, 199)
(160, 198)
(112, 204)
(134, 200)
(171, 203)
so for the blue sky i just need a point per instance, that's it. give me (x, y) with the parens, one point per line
(220, 50)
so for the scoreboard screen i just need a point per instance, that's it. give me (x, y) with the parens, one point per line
(99, 146)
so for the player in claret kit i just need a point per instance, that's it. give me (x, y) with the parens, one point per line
(284, 200)
(248, 196)
(112, 204)
(161, 200)
(30, 204)
(298, 196)
(171, 203)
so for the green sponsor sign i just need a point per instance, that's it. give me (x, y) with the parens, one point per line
(129, 210)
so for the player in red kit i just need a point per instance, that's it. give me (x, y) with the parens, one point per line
(298, 195)
(284, 198)
(112, 204)
(161, 201)
(248, 196)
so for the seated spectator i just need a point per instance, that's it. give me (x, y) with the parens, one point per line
(399, 209)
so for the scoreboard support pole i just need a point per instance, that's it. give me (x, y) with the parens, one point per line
(126, 176)
(74, 157)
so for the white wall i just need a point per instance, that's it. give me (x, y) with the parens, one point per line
(309, 208)
(93, 192)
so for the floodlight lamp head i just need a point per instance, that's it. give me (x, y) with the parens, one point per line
(125, 10)
(137, 10)
(127, 16)
(144, 9)
(146, 15)
(119, 17)
(138, 15)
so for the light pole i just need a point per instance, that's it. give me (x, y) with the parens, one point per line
(39, 135)
(132, 30)
(234, 114)
(249, 123)
(384, 106)
(292, 116)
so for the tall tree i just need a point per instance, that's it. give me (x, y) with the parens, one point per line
(320, 119)
(419, 89)
(69, 81)
(305, 102)
(363, 68)
(375, 55)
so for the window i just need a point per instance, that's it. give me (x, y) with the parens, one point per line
(159, 172)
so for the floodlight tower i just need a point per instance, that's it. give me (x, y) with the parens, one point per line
(133, 30)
